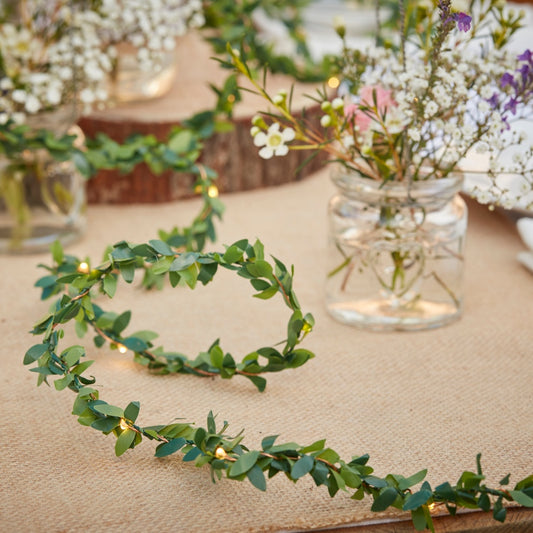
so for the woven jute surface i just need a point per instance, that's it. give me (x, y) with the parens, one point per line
(430, 399)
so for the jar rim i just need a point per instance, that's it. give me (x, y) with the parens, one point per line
(355, 185)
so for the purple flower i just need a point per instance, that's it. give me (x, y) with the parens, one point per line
(463, 21)
(511, 106)
(494, 101)
(527, 55)
(507, 79)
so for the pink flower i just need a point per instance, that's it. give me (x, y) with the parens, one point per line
(363, 119)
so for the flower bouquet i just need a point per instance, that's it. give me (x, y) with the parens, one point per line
(406, 113)
(52, 63)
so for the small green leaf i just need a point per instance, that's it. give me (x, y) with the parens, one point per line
(244, 463)
(57, 252)
(199, 437)
(386, 498)
(267, 293)
(170, 447)
(408, 482)
(257, 478)
(108, 410)
(72, 355)
(419, 519)
(132, 411)
(303, 466)
(64, 382)
(416, 500)
(34, 353)
(161, 247)
(315, 447)
(268, 442)
(124, 441)
(109, 285)
(505, 480)
(521, 498)
(259, 269)
(232, 254)
(121, 322)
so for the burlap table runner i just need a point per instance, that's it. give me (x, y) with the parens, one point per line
(411, 400)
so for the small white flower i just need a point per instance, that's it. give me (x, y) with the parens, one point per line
(337, 104)
(414, 134)
(3, 118)
(325, 121)
(19, 96)
(273, 141)
(32, 104)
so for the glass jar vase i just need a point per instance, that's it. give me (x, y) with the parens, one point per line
(131, 83)
(395, 259)
(41, 199)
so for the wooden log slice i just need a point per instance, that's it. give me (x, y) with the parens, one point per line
(231, 154)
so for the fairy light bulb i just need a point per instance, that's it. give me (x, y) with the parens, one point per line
(212, 191)
(122, 348)
(83, 267)
(432, 506)
(123, 424)
(220, 453)
(333, 82)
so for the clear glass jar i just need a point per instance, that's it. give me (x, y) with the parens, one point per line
(41, 199)
(130, 83)
(395, 259)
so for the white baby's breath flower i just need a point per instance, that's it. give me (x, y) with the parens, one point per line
(273, 141)
(414, 134)
(325, 121)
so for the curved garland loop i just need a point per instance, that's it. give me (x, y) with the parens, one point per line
(211, 445)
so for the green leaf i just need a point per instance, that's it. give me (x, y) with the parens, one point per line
(267, 293)
(109, 285)
(105, 424)
(199, 437)
(257, 478)
(259, 382)
(34, 353)
(350, 477)
(161, 247)
(108, 410)
(124, 441)
(128, 271)
(184, 261)
(405, 483)
(244, 463)
(132, 411)
(419, 519)
(192, 454)
(259, 269)
(232, 254)
(416, 500)
(121, 322)
(64, 382)
(386, 498)
(315, 447)
(57, 252)
(72, 355)
(268, 442)
(484, 502)
(521, 498)
(170, 447)
(135, 344)
(211, 424)
(505, 480)
(217, 356)
(303, 466)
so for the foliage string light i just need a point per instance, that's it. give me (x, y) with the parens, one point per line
(211, 445)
